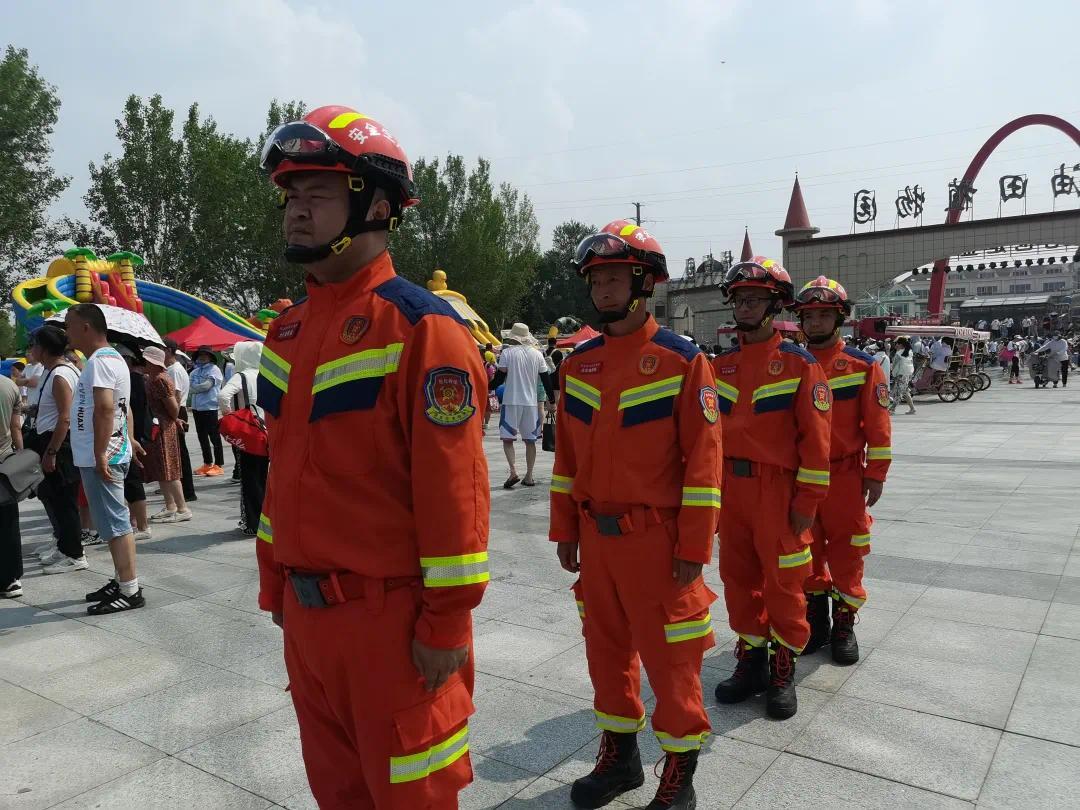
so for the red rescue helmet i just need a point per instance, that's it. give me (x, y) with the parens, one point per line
(760, 272)
(621, 242)
(339, 139)
(822, 293)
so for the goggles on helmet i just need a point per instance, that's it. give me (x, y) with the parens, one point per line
(302, 142)
(609, 247)
(818, 295)
(748, 271)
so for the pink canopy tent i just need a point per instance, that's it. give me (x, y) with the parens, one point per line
(580, 336)
(202, 332)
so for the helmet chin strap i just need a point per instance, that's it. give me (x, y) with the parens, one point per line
(361, 196)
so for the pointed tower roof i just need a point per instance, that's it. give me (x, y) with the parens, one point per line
(797, 221)
(747, 251)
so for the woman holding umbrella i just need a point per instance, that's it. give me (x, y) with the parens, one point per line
(206, 382)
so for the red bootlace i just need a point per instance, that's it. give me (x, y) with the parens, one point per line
(784, 668)
(608, 753)
(670, 779)
(843, 623)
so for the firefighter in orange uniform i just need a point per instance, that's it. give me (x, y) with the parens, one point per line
(372, 545)
(775, 407)
(635, 495)
(859, 461)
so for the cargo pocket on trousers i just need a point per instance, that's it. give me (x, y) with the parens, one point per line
(431, 737)
(579, 598)
(688, 626)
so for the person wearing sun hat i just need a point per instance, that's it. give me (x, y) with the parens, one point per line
(162, 461)
(206, 382)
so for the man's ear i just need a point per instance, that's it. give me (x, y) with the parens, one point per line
(650, 280)
(380, 208)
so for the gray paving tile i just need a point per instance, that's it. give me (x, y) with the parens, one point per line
(194, 710)
(262, 756)
(557, 614)
(24, 713)
(934, 550)
(889, 594)
(933, 753)
(747, 721)
(239, 597)
(797, 782)
(1048, 704)
(268, 668)
(166, 785)
(992, 648)
(543, 794)
(1068, 591)
(1038, 562)
(493, 783)
(901, 569)
(29, 767)
(997, 581)
(949, 689)
(1063, 620)
(302, 801)
(158, 622)
(1032, 773)
(1009, 612)
(30, 659)
(509, 650)
(502, 598)
(228, 644)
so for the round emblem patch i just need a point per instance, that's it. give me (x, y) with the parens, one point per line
(707, 395)
(776, 367)
(822, 400)
(648, 364)
(353, 329)
(882, 392)
(840, 363)
(448, 395)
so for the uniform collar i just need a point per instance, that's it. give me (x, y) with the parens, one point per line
(639, 337)
(367, 278)
(828, 353)
(764, 347)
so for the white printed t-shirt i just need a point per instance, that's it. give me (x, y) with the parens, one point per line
(105, 369)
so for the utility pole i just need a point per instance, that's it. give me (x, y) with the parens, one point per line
(637, 216)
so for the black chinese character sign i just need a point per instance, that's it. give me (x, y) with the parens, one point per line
(864, 208)
(909, 202)
(1013, 187)
(961, 195)
(1063, 184)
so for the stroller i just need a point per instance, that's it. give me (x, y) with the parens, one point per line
(1038, 368)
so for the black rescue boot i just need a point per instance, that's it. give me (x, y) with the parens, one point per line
(817, 614)
(750, 677)
(845, 648)
(781, 702)
(618, 769)
(676, 791)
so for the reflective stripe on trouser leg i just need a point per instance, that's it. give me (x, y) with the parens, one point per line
(680, 745)
(424, 763)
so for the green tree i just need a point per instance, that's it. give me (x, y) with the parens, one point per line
(556, 290)
(484, 238)
(7, 335)
(28, 113)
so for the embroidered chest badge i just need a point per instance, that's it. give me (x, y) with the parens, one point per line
(709, 408)
(822, 400)
(354, 328)
(648, 364)
(448, 394)
(287, 331)
(776, 367)
(840, 363)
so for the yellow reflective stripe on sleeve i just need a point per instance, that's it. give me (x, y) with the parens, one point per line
(580, 609)
(728, 392)
(879, 454)
(662, 389)
(274, 369)
(685, 631)
(701, 496)
(612, 722)
(795, 560)
(265, 533)
(680, 745)
(562, 483)
(446, 572)
(819, 477)
(789, 386)
(583, 391)
(419, 766)
(860, 539)
(359, 366)
(847, 380)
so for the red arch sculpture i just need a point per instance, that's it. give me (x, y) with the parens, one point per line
(936, 299)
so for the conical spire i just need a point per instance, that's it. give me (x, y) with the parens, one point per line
(747, 251)
(797, 219)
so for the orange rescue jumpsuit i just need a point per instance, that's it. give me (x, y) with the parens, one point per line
(860, 448)
(637, 483)
(371, 389)
(775, 407)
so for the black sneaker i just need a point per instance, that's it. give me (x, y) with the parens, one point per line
(118, 604)
(107, 593)
(91, 538)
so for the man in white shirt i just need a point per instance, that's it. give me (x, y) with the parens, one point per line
(182, 382)
(940, 354)
(525, 369)
(1058, 349)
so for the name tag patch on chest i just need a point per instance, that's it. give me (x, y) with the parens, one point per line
(287, 331)
(728, 369)
(591, 368)
(354, 328)
(448, 394)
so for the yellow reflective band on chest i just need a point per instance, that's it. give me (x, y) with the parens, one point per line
(728, 392)
(425, 763)
(274, 369)
(776, 389)
(463, 569)
(582, 391)
(701, 496)
(661, 389)
(265, 533)
(879, 454)
(562, 483)
(359, 366)
(847, 380)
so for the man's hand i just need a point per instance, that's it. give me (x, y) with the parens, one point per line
(871, 490)
(137, 453)
(102, 467)
(48, 462)
(436, 666)
(549, 407)
(799, 523)
(568, 557)
(278, 619)
(685, 572)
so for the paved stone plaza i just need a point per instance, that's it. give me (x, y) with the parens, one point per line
(967, 691)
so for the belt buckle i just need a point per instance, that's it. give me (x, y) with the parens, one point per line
(742, 468)
(308, 592)
(608, 525)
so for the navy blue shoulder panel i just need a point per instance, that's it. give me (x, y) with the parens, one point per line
(792, 348)
(858, 354)
(414, 302)
(591, 343)
(729, 350)
(669, 340)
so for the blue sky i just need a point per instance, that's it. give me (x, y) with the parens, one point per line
(703, 111)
